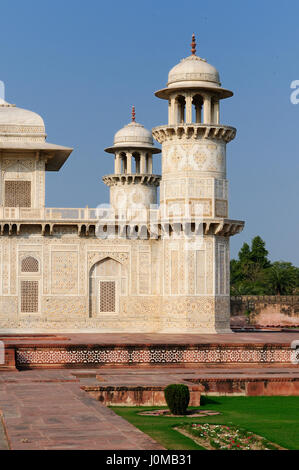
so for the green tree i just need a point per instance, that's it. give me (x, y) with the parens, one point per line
(247, 273)
(253, 274)
(258, 253)
(245, 253)
(282, 278)
(236, 274)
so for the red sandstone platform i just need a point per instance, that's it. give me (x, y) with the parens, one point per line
(147, 350)
(61, 409)
(137, 386)
(118, 339)
(48, 408)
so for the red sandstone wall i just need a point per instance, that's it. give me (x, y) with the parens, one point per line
(265, 311)
(137, 396)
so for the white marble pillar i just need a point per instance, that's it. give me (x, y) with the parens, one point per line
(143, 162)
(216, 112)
(129, 162)
(172, 120)
(150, 163)
(169, 111)
(117, 164)
(188, 99)
(177, 112)
(207, 109)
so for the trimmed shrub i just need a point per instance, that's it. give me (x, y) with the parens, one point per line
(177, 397)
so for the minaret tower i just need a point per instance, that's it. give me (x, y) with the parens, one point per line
(196, 281)
(133, 183)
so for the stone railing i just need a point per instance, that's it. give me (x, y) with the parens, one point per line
(76, 214)
(47, 213)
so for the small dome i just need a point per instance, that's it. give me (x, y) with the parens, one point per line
(16, 123)
(133, 134)
(21, 130)
(193, 71)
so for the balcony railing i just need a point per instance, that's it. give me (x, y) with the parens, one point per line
(74, 214)
(47, 213)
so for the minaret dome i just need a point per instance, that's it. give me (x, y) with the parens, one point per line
(193, 91)
(133, 181)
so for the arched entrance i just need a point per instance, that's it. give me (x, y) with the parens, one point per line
(107, 282)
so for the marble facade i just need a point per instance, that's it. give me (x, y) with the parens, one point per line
(142, 265)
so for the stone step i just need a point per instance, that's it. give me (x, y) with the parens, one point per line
(9, 359)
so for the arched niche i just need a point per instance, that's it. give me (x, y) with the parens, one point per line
(107, 283)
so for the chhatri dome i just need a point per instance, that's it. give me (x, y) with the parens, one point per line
(133, 181)
(193, 72)
(133, 135)
(21, 129)
(10, 115)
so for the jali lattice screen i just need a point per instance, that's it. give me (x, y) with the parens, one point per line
(107, 296)
(29, 296)
(29, 265)
(17, 193)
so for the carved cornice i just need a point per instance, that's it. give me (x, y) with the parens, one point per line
(219, 227)
(194, 132)
(160, 227)
(146, 179)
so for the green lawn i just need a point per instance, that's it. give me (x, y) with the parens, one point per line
(275, 418)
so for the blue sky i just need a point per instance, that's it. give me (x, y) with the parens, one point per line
(81, 65)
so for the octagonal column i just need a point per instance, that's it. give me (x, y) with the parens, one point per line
(150, 163)
(172, 113)
(143, 162)
(129, 162)
(188, 98)
(216, 113)
(117, 164)
(207, 109)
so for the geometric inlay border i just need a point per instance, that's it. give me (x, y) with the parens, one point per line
(151, 355)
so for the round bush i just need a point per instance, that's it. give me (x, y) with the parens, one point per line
(177, 397)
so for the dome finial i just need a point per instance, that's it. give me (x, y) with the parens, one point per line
(133, 114)
(193, 45)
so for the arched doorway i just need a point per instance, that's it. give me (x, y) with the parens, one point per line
(107, 282)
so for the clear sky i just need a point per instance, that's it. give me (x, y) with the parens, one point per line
(82, 64)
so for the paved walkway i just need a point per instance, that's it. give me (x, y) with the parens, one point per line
(117, 339)
(3, 440)
(47, 410)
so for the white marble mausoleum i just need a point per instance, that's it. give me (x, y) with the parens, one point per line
(142, 265)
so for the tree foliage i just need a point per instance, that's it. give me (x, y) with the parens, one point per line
(253, 273)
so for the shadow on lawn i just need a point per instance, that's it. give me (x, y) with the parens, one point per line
(205, 400)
